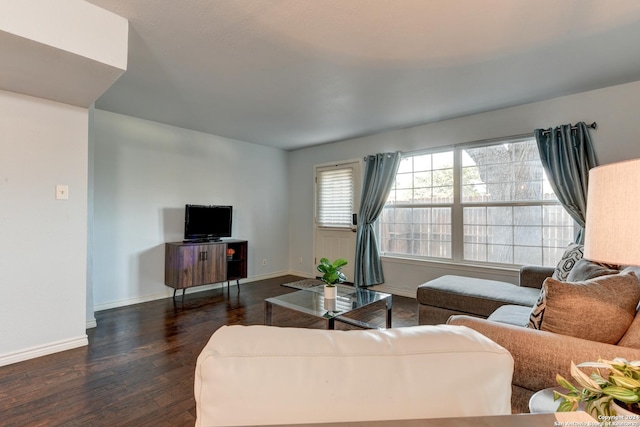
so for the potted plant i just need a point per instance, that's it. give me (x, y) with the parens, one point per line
(332, 275)
(230, 252)
(614, 392)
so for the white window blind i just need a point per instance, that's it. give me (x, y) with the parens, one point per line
(335, 197)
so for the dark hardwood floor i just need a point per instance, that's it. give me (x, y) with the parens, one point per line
(138, 368)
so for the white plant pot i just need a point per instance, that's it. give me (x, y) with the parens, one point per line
(330, 304)
(330, 292)
(623, 412)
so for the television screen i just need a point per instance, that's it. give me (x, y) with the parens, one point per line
(207, 222)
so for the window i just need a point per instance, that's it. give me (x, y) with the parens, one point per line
(487, 203)
(334, 197)
(416, 219)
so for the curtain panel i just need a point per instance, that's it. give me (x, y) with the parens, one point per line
(379, 176)
(567, 155)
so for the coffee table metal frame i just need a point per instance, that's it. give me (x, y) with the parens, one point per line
(311, 301)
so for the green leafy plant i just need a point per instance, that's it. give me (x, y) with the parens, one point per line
(621, 383)
(331, 271)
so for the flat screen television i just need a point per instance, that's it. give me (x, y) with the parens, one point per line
(207, 223)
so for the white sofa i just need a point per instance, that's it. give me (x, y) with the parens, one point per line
(261, 375)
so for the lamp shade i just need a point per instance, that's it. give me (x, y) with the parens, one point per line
(612, 230)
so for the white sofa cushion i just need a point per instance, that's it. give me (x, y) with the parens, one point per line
(248, 375)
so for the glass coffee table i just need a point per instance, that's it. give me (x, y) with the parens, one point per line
(311, 301)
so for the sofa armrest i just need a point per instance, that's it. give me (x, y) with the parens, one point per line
(532, 276)
(540, 355)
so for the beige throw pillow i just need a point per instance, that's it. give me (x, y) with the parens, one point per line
(599, 309)
(585, 270)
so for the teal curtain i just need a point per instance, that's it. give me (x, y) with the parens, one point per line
(379, 176)
(567, 155)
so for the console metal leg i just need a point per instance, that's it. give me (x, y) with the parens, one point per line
(176, 290)
(389, 312)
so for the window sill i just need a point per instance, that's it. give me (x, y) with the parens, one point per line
(452, 265)
(335, 228)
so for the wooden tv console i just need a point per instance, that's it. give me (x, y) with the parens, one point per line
(188, 264)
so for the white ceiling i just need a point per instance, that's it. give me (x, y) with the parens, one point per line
(296, 73)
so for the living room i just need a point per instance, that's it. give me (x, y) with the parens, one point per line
(130, 178)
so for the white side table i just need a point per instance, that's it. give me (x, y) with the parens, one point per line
(542, 401)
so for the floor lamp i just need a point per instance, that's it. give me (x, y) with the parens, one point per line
(612, 231)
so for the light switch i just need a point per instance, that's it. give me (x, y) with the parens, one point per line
(62, 192)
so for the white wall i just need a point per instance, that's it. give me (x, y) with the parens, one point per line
(42, 240)
(144, 174)
(71, 26)
(91, 319)
(66, 51)
(615, 109)
(62, 54)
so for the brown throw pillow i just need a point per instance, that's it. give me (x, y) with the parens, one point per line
(599, 309)
(579, 270)
(631, 338)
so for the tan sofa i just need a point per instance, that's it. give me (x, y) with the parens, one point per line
(540, 355)
(261, 375)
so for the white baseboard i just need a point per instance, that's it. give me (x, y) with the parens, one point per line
(305, 274)
(43, 350)
(403, 292)
(91, 323)
(264, 276)
(168, 292)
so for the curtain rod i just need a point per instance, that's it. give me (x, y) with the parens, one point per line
(593, 125)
